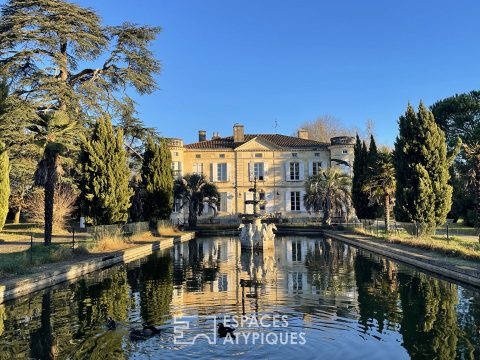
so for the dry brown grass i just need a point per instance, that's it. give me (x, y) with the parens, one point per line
(170, 230)
(454, 247)
(108, 244)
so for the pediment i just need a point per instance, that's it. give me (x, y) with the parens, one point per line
(257, 144)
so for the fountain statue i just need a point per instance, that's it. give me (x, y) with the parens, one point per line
(254, 234)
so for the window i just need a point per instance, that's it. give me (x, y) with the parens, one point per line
(176, 205)
(294, 155)
(222, 172)
(222, 156)
(258, 171)
(294, 171)
(198, 169)
(223, 282)
(316, 168)
(317, 154)
(295, 201)
(176, 168)
(198, 156)
(175, 153)
(262, 199)
(258, 155)
(296, 251)
(344, 151)
(297, 281)
(222, 204)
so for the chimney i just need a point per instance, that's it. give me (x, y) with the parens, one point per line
(215, 135)
(238, 133)
(202, 135)
(302, 134)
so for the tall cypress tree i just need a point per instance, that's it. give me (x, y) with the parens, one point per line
(421, 164)
(4, 184)
(157, 180)
(360, 197)
(373, 209)
(106, 191)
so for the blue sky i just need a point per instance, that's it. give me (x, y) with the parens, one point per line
(255, 62)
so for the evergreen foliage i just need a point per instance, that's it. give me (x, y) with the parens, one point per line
(4, 185)
(43, 44)
(363, 163)
(459, 118)
(381, 184)
(330, 192)
(157, 180)
(106, 193)
(194, 191)
(421, 164)
(4, 162)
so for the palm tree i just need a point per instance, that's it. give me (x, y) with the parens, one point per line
(194, 190)
(473, 154)
(55, 134)
(328, 191)
(382, 184)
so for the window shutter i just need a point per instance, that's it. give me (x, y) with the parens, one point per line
(229, 202)
(250, 171)
(302, 206)
(310, 168)
(287, 201)
(287, 171)
(214, 172)
(302, 171)
(228, 172)
(265, 171)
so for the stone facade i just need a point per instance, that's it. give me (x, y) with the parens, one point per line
(280, 163)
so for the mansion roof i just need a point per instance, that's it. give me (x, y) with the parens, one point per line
(281, 141)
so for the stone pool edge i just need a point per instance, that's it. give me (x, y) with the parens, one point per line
(23, 285)
(447, 270)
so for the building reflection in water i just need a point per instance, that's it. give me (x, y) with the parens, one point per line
(325, 285)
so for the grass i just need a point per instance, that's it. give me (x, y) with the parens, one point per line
(169, 230)
(17, 258)
(109, 244)
(455, 247)
(24, 262)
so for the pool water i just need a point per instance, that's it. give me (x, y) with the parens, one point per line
(308, 298)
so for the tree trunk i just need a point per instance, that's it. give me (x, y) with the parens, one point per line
(387, 213)
(192, 214)
(16, 219)
(51, 159)
(326, 215)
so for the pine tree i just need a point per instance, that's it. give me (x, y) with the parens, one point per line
(4, 184)
(106, 193)
(421, 164)
(65, 64)
(157, 180)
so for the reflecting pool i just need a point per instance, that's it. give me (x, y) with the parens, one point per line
(308, 298)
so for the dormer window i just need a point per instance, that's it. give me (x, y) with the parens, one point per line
(221, 156)
(317, 154)
(258, 155)
(344, 151)
(198, 156)
(294, 155)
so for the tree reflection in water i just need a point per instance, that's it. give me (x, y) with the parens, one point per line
(320, 281)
